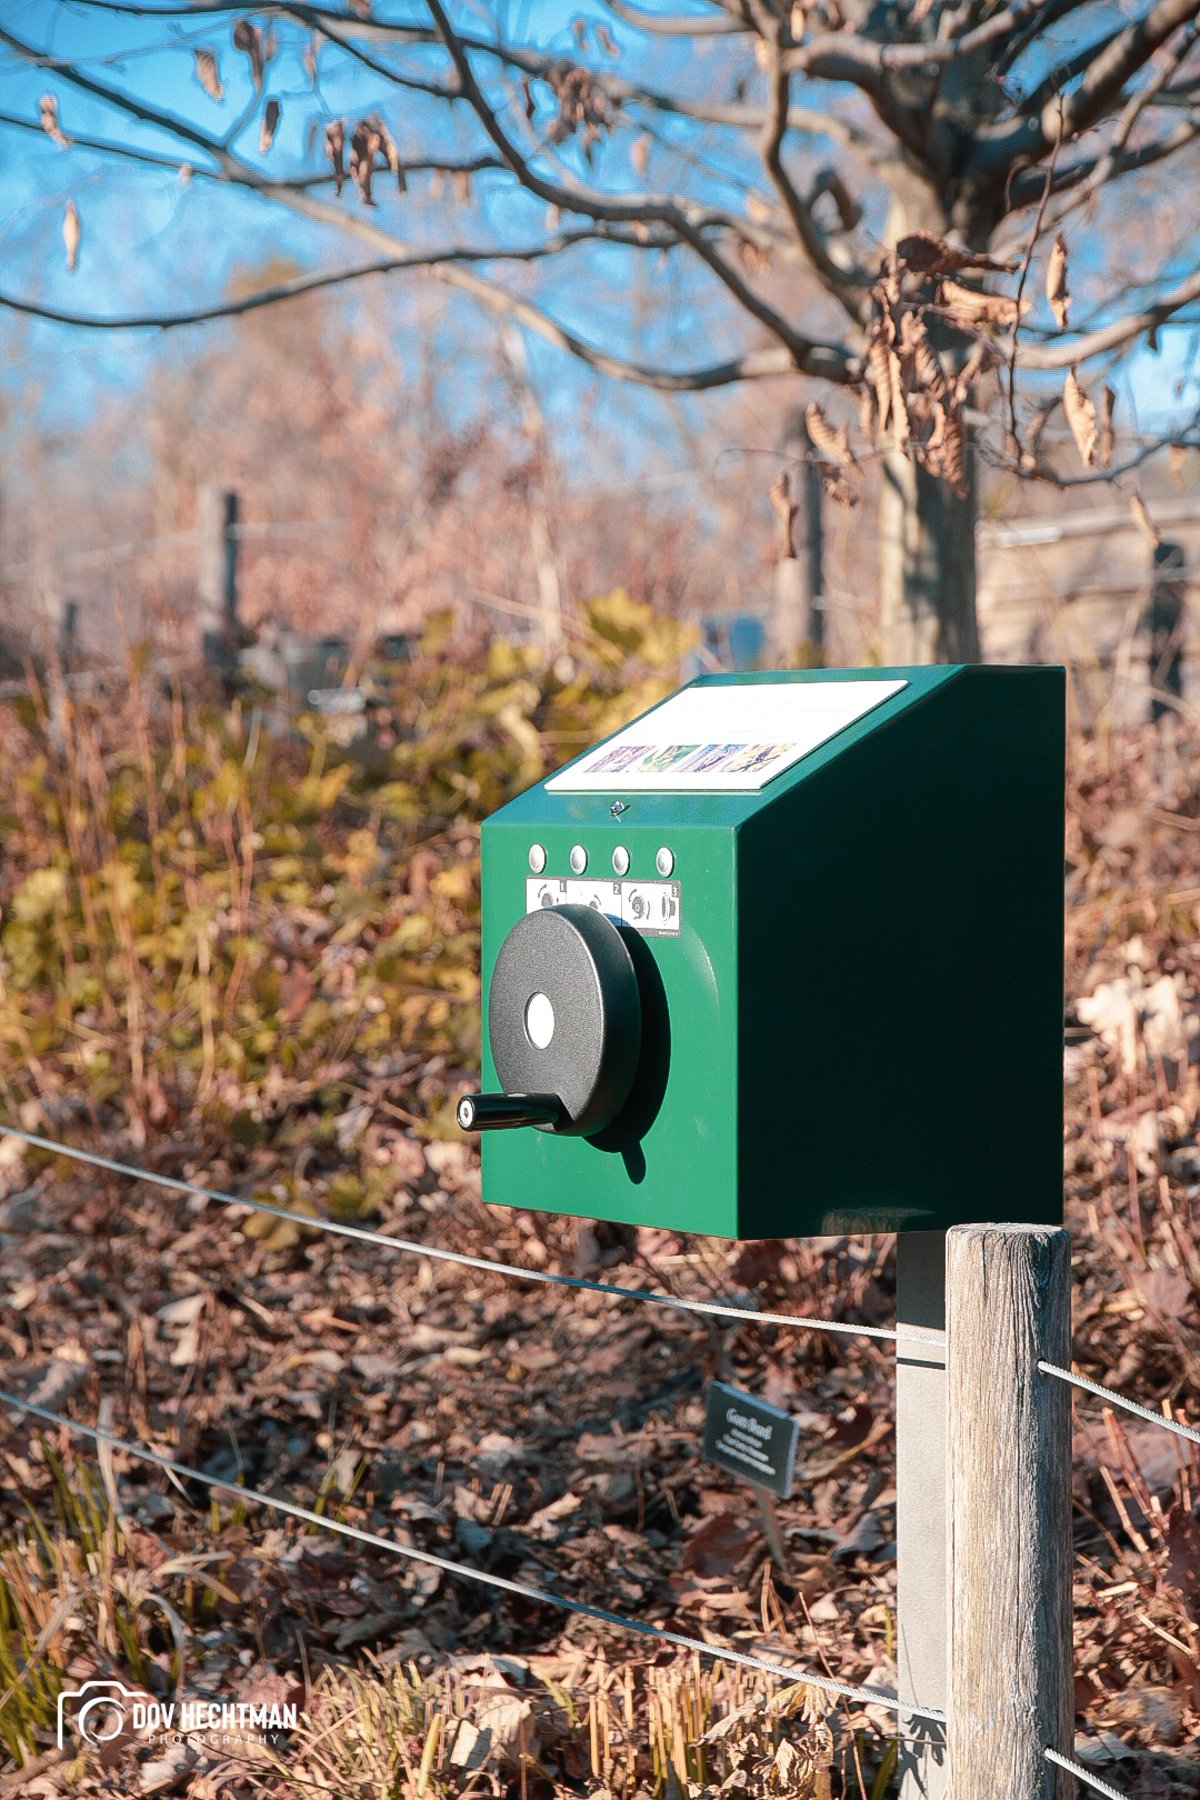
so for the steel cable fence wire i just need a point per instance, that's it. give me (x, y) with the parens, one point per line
(1111, 1397)
(1189, 1432)
(409, 1246)
(1081, 1774)
(846, 1690)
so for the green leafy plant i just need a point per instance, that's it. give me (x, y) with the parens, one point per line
(209, 915)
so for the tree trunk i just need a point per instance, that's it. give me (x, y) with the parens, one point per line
(926, 530)
(796, 621)
(550, 609)
(926, 565)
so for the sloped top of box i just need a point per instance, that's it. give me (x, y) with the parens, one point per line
(758, 708)
(728, 737)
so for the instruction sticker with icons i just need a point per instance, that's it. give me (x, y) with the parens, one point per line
(651, 907)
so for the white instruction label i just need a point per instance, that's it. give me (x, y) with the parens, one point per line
(651, 907)
(724, 739)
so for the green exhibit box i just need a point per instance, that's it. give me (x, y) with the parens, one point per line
(784, 957)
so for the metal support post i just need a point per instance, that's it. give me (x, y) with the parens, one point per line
(921, 1511)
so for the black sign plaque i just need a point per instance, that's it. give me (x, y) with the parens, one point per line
(751, 1439)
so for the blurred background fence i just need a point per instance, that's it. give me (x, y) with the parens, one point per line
(1097, 588)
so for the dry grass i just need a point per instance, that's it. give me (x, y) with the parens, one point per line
(486, 1725)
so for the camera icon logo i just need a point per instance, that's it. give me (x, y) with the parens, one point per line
(95, 1713)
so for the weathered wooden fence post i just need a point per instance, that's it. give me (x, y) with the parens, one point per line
(1011, 1695)
(217, 577)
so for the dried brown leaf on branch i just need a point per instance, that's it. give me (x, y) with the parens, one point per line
(270, 125)
(972, 310)
(1108, 401)
(831, 442)
(922, 253)
(1033, 436)
(878, 362)
(1057, 291)
(335, 149)
(927, 364)
(391, 154)
(48, 119)
(868, 412)
(71, 233)
(835, 484)
(753, 258)
(365, 145)
(208, 74)
(1081, 417)
(581, 103)
(606, 42)
(984, 356)
(639, 153)
(901, 422)
(1142, 519)
(780, 493)
(944, 452)
(954, 451)
(311, 50)
(249, 39)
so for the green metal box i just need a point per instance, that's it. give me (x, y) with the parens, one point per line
(841, 892)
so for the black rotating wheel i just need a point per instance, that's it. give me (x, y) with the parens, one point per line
(564, 1023)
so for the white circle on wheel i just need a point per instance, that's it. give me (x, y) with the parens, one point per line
(539, 1020)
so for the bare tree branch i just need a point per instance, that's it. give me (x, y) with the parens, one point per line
(850, 289)
(753, 365)
(1031, 132)
(833, 361)
(1188, 438)
(533, 63)
(127, 103)
(842, 56)
(574, 196)
(1060, 76)
(314, 282)
(1115, 160)
(1122, 58)
(1076, 179)
(243, 176)
(1076, 349)
(1045, 18)
(676, 24)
